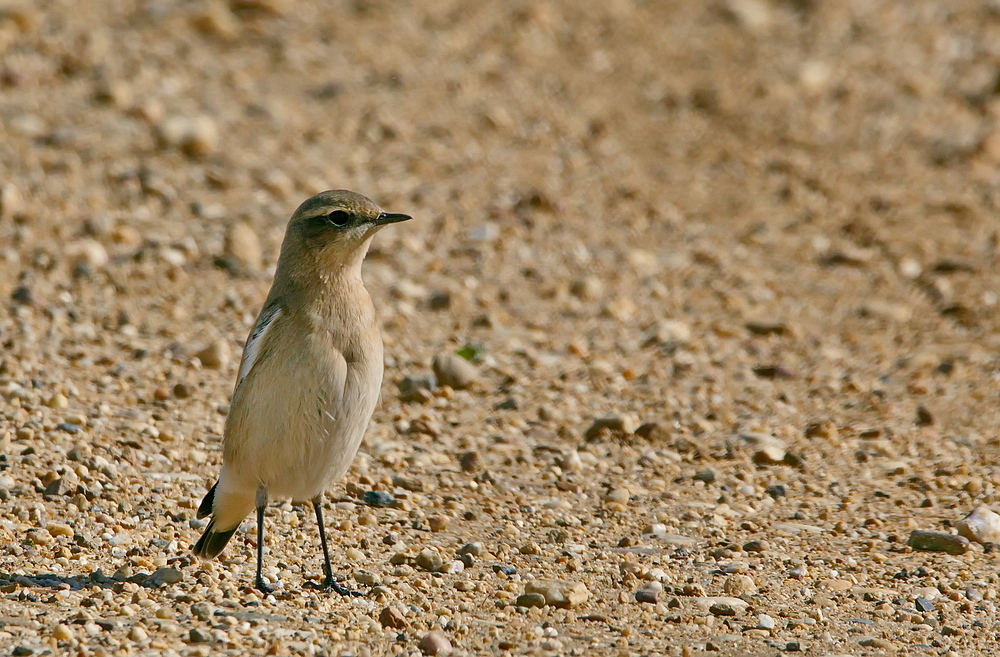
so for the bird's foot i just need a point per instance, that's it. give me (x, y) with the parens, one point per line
(266, 589)
(330, 584)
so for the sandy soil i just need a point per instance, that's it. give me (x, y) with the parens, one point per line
(764, 232)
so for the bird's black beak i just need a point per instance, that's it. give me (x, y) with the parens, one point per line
(391, 218)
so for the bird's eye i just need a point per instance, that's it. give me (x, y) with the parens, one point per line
(338, 218)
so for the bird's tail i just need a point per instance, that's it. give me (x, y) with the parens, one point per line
(212, 542)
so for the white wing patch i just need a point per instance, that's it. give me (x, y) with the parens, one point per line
(256, 339)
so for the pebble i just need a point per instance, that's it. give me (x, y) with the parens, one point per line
(196, 635)
(475, 549)
(392, 617)
(378, 499)
(737, 585)
(87, 253)
(216, 355)
(530, 600)
(454, 371)
(430, 560)
(799, 572)
(166, 575)
(649, 592)
(137, 634)
(559, 593)
(471, 462)
(203, 611)
(609, 426)
(243, 246)
(587, 289)
(938, 542)
(923, 604)
(722, 604)
(765, 622)
(417, 388)
(11, 201)
(435, 643)
(982, 525)
(62, 633)
(756, 546)
(196, 136)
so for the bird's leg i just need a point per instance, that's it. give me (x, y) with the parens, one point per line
(328, 582)
(261, 505)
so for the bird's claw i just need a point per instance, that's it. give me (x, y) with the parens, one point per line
(266, 589)
(330, 584)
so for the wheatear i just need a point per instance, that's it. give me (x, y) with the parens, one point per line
(310, 375)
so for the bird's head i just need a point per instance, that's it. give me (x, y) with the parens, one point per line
(335, 228)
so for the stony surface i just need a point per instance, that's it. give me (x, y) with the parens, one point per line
(725, 273)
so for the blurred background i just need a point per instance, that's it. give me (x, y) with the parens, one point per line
(776, 216)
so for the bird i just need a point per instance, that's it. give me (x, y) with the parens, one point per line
(309, 379)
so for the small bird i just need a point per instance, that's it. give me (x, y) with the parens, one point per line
(309, 378)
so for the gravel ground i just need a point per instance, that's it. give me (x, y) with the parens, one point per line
(727, 273)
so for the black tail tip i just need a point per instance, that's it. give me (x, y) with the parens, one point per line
(212, 542)
(205, 508)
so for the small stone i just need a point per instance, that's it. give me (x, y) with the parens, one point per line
(619, 495)
(137, 634)
(203, 611)
(769, 455)
(430, 560)
(22, 651)
(454, 567)
(454, 371)
(722, 604)
(706, 475)
(776, 491)
(417, 388)
(879, 644)
(475, 549)
(87, 253)
(196, 635)
(378, 499)
(722, 609)
(614, 426)
(471, 462)
(756, 546)
(215, 355)
(799, 572)
(587, 289)
(765, 622)
(435, 643)
(938, 542)
(196, 136)
(412, 484)
(530, 600)
(60, 529)
(166, 575)
(438, 522)
(559, 593)
(62, 633)
(923, 604)
(11, 201)
(649, 592)
(365, 577)
(243, 246)
(737, 585)
(973, 594)
(982, 525)
(392, 617)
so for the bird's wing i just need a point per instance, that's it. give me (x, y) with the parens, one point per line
(251, 351)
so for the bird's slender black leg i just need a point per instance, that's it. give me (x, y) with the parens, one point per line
(259, 581)
(329, 582)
